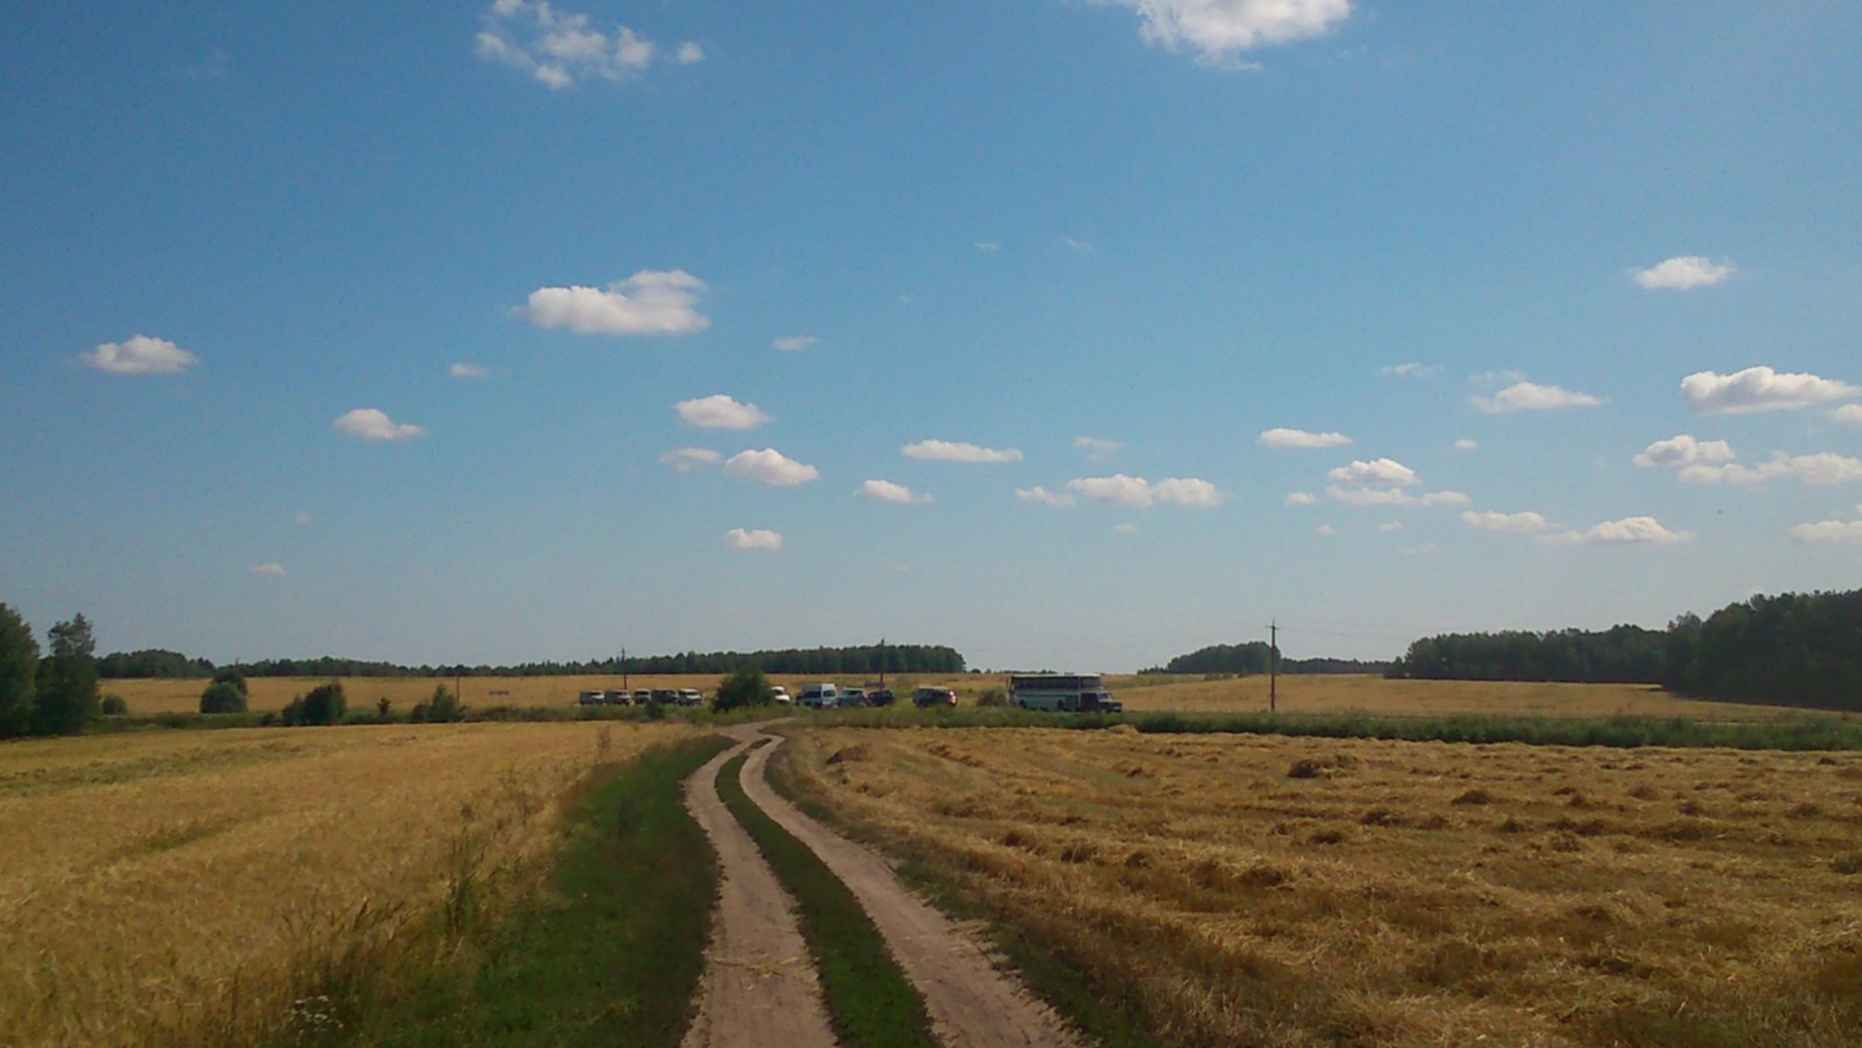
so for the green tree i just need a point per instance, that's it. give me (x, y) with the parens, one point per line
(67, 682)
(746, 687)
(19, 666)
(222, 697)
(442, 708)
(231, 675)
(325, 704)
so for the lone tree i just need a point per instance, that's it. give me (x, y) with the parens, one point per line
(231, 675)
(19, 665)
(223, 697)
(67, 681)
(746, 687)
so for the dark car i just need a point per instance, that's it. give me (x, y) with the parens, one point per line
(924, 697)
(882, 697)
(666, 696)
(854, 697)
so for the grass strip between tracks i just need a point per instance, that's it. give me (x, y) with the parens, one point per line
(871, 1003)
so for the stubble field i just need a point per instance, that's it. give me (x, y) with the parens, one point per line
(192, 887)
(1297, 892)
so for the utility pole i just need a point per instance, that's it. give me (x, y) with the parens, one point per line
(1273, 666)
(623, 669)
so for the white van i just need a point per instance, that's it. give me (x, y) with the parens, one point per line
(820, 697)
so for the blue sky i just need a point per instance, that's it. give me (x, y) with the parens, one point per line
(245, 248)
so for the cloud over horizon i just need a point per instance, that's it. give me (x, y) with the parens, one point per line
(1218, 31)
(1140, 493)
(1531, 396)
(374, 424)
(719, 411)
(139, 355)
(651, 302)
(685, 460)
(887, 491)
(556, 47)
(1759, 389)
(1683, 273)
(1283, 437)
(770, 467)
(957, 451)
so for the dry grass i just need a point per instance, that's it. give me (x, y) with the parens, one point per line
(1294, 892)
(187, 888)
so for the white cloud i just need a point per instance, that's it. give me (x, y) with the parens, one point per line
(1444, 498)
(957, 451)
(1683, 272)
(988, 247)
(1325, 529)
(1681, 451)
(1300, 498)
(1124, 529)
(139, 355)
(1367, 496)
(1039, 495)
(1512, 523)
(685, 460)
(303, 518)
(1530, 396)
(272, 568)
(556, 48)
(1376, 471)
(1282, 437)
(1097, 449)
(1140, 493)
(1628, 531)
(1823, 469)
(1761, 389)
(464, 369)
(651, 302)
(1408, 369)
(887, 491)
(770, 467)
(1829, 530)
(794, 343)
(1467, 444)
(374, 424)
(753, 539)
(1848, 414)
(1390, 526)
(1218, 31)
(720, 411)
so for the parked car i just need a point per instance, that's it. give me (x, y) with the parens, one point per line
(691, 697)
(642, 696)
(616, 697)
(853, 697)
(665, 696)
(820, 697)
(931, 697)
(882, 697)
(592, 698)
(780, 696)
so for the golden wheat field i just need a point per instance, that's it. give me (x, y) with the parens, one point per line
(1299, 892)
(183, 887)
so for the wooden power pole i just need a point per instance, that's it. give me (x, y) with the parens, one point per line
(1273, 667)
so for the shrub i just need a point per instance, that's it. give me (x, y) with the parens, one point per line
(993, 697)
(382, 708)
(230, 675)
(222, 697)
(114, 706)
(325, 704)
(442, 708)
(746, 687)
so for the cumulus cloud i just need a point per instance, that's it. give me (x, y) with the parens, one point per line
(1219, 31)
(720, 411)
(1140, 493)
(1512, 523)
(770, 467)
(1300, 498)
(957, 451)
(1040, 496)
(1096, 448)
(794, 343)
(1282, 437)
(272, 568)
(753, 539)
(1682, 273)
(465, 369)
(887, 491)
(1761, 389)
(557, 48)
(1628, 531)
(1466, 444)
(685, 460)
(1368, 496)
(1848, 414)
(1830, 530)
(1681, 451)
(1530, 396)
(651, 302)
(1823, 469)
(1408, 369)
(1376, 471)
(139, 355)
(374, 424)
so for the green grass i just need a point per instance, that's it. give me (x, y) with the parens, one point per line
(871, 1003)
(701, 716)
(1800, 733)
(613, 954)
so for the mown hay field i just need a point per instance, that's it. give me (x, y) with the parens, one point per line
(1300, 892)
(191, 887)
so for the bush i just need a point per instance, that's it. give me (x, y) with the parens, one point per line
(324, 705)
(229, 675)
(442, 708)
(746, 687)
(223, 697)
(383, 708)
(993, 697)
(114, 706)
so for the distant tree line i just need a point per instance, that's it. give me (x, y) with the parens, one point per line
(869, 658)
(1618, 655)
(1254, 656)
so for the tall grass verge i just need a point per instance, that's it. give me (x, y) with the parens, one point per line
(871, 1003)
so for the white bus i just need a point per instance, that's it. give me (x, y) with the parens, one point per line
(1064, 692)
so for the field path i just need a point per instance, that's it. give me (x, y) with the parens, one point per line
(972, 1003)
(759, 986)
